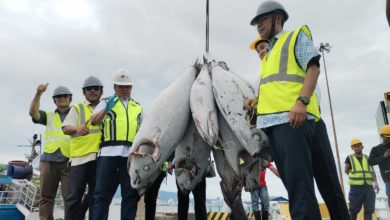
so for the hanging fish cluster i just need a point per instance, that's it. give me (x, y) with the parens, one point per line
(201, 111)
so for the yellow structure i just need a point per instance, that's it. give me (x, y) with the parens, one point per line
(283, 210)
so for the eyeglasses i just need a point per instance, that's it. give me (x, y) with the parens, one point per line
(96, 88)
(61, 96)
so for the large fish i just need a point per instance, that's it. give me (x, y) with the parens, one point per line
(231, 185)
(161, 131)
(203, 109)
(232, 147)
(191, 160)
(230, 93)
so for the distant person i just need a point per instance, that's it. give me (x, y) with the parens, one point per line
(260, 46)
(362, 181)
(262, 193)
(54, 158)
(84, 145)
(151, 194)
(120, 117)
(380, 155)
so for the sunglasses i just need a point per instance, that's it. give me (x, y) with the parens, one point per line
(61, 96)
(96, 88)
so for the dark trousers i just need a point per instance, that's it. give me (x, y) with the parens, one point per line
(291, 148)
(52, 173)
(199, 193)
(325, 174)
(361, 196)
(110, 172)
(150, 197)
(79, 177)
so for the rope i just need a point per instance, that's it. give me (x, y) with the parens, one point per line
(207, 26)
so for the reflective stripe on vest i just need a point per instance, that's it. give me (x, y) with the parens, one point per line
(54, 137)
(282, 78)
(121, 124)
(360, 173)
(83, 145)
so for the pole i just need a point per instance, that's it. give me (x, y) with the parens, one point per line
(207, 26)
(326, 47)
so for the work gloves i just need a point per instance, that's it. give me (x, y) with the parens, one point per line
(111, 102)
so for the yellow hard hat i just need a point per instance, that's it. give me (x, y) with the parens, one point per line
(355, 141)
(385, 131)
(257, 40)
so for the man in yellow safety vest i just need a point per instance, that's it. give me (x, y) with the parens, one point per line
(362, 181)
(54, 158)
(286, 107)
(120, 117)
(84, 145)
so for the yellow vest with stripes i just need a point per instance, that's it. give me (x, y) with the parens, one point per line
(360, 173)
(54, 137)
(121, 124)
(82, 145)
(282, 78)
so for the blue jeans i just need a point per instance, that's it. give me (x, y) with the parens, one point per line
(291, 149)
(388, 193)
(325, 174)
(361, 196)
(110, 172)
(262, 194)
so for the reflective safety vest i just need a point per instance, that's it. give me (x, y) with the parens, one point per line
(54, 137)
(121, 124)
(82, 145)
(282, 78)
(360, 173)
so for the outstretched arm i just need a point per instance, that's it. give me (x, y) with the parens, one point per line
(274, 170)
(35, 103)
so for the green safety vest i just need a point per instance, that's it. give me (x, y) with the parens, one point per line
(121, 124)
(83, 145)
(282, 78)
(360, 174)
(54, 137)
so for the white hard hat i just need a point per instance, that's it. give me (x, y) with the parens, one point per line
(122, 78)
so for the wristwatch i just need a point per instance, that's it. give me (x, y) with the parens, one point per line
(305, 100)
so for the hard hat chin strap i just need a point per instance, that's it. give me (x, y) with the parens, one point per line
(272, 32)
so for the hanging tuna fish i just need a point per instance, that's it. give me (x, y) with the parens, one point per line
(161, 131)
(230, 93)
(203, 108)
(191, 160)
